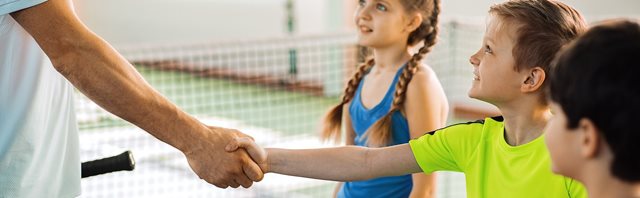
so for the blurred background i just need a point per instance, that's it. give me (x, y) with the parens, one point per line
(270, 68)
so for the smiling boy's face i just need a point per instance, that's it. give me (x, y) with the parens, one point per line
(495, 78)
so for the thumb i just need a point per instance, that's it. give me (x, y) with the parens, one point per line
(253, 171)
(233, 145)
(256, 152)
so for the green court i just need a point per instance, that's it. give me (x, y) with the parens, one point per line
(291, 113)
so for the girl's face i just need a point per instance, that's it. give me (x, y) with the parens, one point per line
(495, 78)
(381, 23)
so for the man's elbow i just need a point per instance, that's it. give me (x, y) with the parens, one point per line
(64, 64)
(69, 55)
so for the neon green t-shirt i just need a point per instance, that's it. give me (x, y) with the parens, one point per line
(492, 167)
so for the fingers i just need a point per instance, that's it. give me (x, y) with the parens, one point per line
(239, 178)
(256, 152)
(225, 167)
(241, 171)
(253, 171)
(233, 184)
(244, 181)
(248, 136)
(240, 134)
(219, 185)
(242, 142)
(224, 183)
(234, 181)
(233, 145)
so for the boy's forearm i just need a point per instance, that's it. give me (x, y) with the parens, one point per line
(347, 163)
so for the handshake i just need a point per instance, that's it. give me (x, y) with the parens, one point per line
(218, 158)
(229, 158)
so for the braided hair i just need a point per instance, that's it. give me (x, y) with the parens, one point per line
(380, 133)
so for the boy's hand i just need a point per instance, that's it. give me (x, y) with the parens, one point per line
(257, 153)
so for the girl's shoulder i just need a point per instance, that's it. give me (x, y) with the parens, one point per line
(425, 85)
(423, 78)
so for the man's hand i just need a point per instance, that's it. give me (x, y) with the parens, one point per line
(212, 163)
(257, 153)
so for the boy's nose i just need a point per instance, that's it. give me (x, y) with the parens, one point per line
(475, 59)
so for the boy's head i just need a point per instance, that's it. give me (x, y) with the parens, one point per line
(521, 39)
(595, 93)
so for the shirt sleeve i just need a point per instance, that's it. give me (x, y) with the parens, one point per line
(447, 149)
(9, 6)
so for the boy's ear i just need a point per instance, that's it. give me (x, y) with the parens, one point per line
(415, 20)
(590, 142)
(534, 80)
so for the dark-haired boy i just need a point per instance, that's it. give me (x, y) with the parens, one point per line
(595, 94)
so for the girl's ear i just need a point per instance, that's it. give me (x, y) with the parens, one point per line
(415, 20)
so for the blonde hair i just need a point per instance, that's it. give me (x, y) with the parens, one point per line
(380, 133)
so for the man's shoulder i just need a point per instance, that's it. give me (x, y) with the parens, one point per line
(9, 6)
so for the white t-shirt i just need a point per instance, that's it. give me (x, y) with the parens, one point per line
(39, 154)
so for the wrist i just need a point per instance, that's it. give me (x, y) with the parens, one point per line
(171, 125)
(192, 137)
(270, 161)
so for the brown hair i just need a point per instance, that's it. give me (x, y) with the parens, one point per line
(380, 133)
(545, 27)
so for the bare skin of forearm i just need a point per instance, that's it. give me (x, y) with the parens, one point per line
(349, 163)
(99, 72)
(109, 80)
(320, 163)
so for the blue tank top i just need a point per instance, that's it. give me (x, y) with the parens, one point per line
(363, 118)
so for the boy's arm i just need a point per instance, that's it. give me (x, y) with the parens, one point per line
(348, 163)
(350, 135)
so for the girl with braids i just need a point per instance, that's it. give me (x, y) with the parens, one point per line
(501, 157)
(392, 97)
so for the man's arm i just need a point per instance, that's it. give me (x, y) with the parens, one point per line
(103, 75)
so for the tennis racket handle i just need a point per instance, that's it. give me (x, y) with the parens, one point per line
(121, 162)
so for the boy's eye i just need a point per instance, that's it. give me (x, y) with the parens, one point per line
(362, 2)
(487, 49)
(381, 7)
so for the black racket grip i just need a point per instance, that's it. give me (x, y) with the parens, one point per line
(121, 162)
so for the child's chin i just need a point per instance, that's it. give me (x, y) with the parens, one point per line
(478, 94)
(364, 43)
(473, 94)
